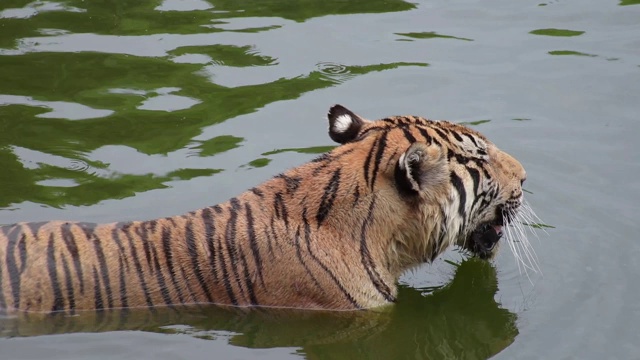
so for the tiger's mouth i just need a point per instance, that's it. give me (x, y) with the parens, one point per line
(485, 237)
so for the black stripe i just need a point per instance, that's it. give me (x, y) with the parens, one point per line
(281, 209)
(367, 261)
(322, 157)
(328, 197)
(69, 284)
(138, 266)
(92, 237)
(153, 224)
(12, 267)
(257, 191)
(168, 255)
(356, 195)
(475, 177)
(247, 280)
(476, 201)
(193, 254)
(472, 139)
(123, 285)
(425, 134)
(291, 183)
(226, 278)
(164, 290)
(209, 233)
(96, 290)
(366, 132)
(457, 136)
(462, 193)
(269, 240)
(195, 300)
(367, 162)
(441, 133)
(70, 242)
(22, 250)
(58, 300)
(333, 157)
(382, 144)
(487, 176)
(230, 235)
(408, 135)
(272, 228)
(35, 227)
(307, 236)
(299, 254)
(142, 231)
(114, 234)
(251, 232)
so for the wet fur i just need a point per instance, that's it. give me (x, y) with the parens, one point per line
(334, 233)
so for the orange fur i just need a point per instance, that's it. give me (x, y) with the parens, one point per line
(334, 233)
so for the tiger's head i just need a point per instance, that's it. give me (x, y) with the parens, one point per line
(450, 184)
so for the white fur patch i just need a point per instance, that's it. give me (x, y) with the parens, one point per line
(342, 124)
(401, 161)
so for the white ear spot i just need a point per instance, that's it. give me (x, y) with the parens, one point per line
(342, 123)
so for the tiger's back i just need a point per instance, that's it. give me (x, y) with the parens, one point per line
(334, 233)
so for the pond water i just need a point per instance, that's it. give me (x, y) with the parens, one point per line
(122, 110)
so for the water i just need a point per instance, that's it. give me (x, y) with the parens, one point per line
(134, 110)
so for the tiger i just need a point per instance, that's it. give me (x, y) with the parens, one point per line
(335, 233)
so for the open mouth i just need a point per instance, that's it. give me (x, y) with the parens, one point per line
(484, 238)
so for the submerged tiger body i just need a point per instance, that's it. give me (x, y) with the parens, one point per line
(334, 233)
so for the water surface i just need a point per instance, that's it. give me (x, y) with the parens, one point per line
(118, 110)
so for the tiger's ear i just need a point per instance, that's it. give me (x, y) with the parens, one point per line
(344, 125)
(421, 167)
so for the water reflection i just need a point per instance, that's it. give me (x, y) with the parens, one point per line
(459, 320)
(428, 35)
(185, 103)
(556, 32)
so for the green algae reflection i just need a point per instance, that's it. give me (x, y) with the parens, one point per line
(570, 53)
(556, 32)
(460, 320)
(145, 17)
(121, 99)
(430, 35)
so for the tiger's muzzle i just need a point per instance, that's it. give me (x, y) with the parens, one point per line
(485, 237)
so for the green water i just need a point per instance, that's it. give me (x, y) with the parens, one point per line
(122, 110)
(420, 327)
(114, 85)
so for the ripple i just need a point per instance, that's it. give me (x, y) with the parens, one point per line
(334, 71)
(78, 165)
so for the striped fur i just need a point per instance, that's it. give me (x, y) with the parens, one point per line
(334, 233)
